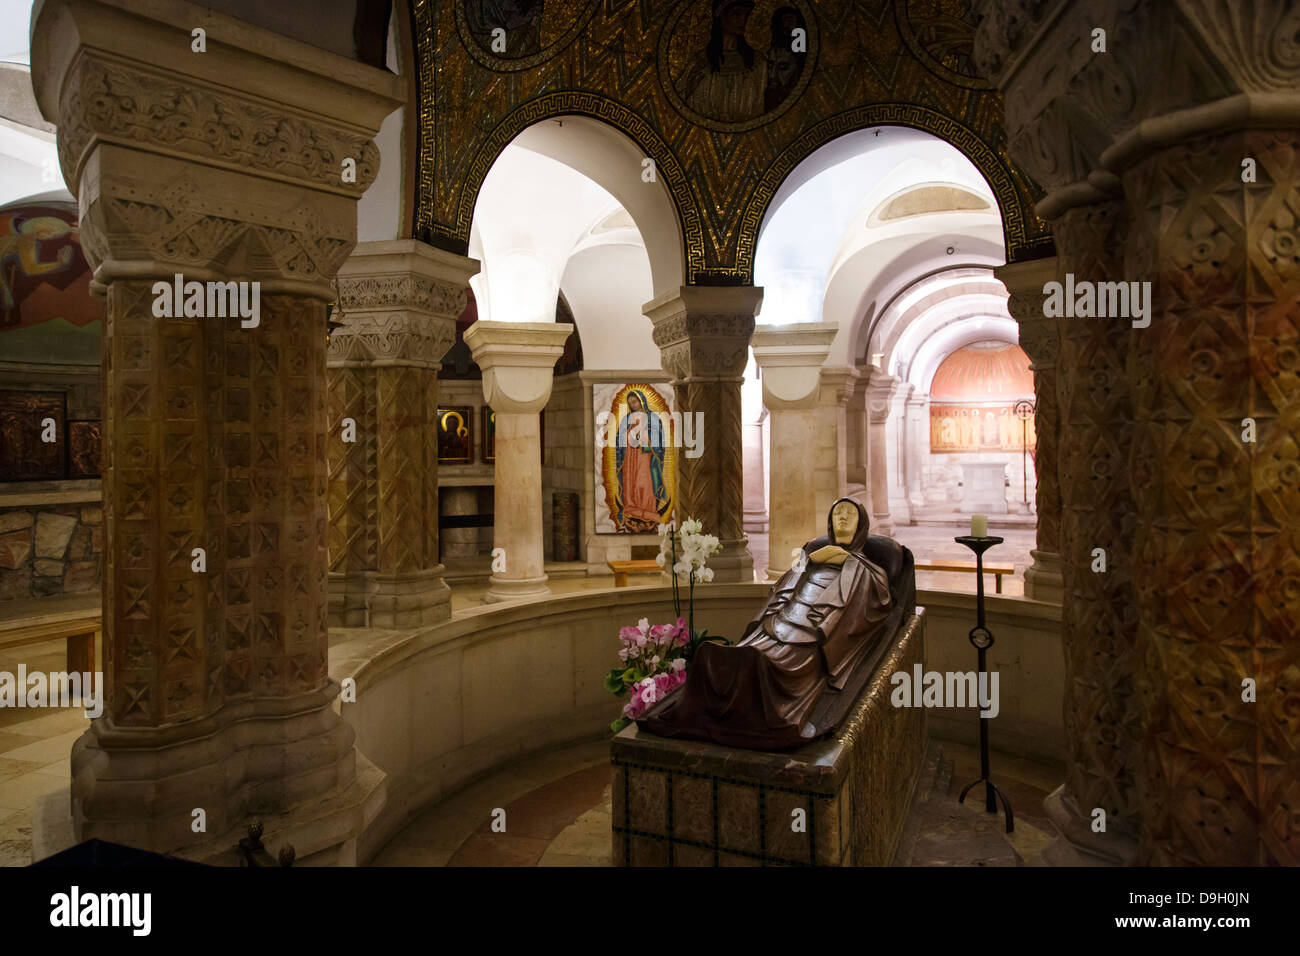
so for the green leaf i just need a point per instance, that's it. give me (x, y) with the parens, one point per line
(619, 724)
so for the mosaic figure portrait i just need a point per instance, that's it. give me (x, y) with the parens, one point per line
(637, 461)
(736, 70)
(520, 19)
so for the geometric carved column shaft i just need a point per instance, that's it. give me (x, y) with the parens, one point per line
(791, 358)
(218, 695)
(518, 364)
(703, 335)
(1098, 620)
(1174, 164)
(1038, 337)
(880, 401)
(1218, 529)
(398, 302)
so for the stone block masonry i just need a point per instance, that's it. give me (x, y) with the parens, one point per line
(50, 549)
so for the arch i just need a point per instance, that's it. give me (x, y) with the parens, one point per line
(1021, 237)
(943, 340)
(618, 125)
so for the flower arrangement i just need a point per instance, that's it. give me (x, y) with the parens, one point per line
(655, 657)
(653, 665)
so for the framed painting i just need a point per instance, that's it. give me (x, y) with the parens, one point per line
(456, 435)
(638, 438)
(489, 435)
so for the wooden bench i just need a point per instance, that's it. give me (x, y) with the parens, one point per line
(993, 568)
(79, 631)
(622, 569)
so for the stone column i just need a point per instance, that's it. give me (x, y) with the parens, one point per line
(1179, 181)
(755, 468)
(703, 335)
(398, 302)
(855, 424)
(791, 358)
(756, 519)
(880, 399)
(1098, 618)
(1215, 458)
(1038, 337)
(518, 363)
(218, 167)
(896, 432)
(918, 447)
(830, 454)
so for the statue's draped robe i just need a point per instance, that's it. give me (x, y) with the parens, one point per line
(819, 622)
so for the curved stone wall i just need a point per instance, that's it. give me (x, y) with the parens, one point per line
(438, 707)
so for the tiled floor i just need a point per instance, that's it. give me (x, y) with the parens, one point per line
(566, 820)
(556, 814)
(34, 750)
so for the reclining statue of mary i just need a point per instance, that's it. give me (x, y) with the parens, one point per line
(806, 657)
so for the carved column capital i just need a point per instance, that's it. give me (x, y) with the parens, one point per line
(840, 384)
(880, 395)
(398, 302)
(791, 358)
(703, 332)
(518, 362)
(1025, 282)
(1078, 118)
(178, 171)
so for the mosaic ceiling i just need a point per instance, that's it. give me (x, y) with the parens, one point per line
(725, 122)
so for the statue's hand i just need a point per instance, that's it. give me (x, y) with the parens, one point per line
(830, 554)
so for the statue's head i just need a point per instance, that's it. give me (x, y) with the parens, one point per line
(848, 524)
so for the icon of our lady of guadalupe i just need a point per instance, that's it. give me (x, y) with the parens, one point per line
(639, 465)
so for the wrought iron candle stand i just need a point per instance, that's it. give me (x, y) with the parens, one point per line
(982, 638)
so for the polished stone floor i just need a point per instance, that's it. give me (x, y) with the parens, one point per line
(34, 751)
(557, 813)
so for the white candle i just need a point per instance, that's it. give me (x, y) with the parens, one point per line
(979, 526)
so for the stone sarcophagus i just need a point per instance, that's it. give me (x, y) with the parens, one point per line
(679, 802)
(784, 748)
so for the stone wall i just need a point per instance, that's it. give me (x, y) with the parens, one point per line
(51, 542)
(565, 455)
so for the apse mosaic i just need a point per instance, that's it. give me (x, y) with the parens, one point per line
(636, 457)
(957, 428)
(974, 396)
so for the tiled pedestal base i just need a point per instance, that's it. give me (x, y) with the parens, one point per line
(689, 803)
